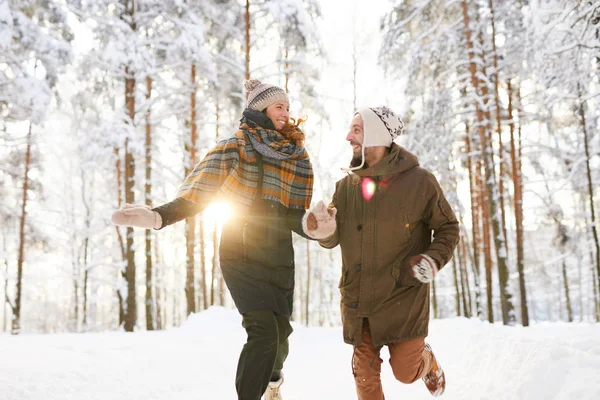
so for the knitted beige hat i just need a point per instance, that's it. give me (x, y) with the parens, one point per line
(261, 95)
(380, 126)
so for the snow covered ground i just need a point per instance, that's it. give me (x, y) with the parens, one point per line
(197, 361)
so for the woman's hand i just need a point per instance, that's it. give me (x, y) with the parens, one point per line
(140, 216)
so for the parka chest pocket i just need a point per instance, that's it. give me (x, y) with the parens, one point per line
(395, 225)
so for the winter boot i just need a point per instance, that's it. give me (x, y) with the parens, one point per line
(435, 380)
(273, 390)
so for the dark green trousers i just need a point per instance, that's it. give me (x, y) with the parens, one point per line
(263, 354)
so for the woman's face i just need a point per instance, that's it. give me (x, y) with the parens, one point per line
(279, 114)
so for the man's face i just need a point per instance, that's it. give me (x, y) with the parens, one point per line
(356, 135)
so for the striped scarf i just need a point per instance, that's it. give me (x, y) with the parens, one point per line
(230, 170)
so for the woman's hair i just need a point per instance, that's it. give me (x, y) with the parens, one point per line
(290, 131)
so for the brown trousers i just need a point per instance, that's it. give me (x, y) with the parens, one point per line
(408, 360)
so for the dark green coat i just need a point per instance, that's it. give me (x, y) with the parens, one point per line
(257, 257)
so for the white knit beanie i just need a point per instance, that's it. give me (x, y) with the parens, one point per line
(380, 127)
(261, 95)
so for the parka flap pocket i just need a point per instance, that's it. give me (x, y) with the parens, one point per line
(402, 276)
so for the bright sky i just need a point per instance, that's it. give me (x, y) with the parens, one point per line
(341, 22)
(360, 19)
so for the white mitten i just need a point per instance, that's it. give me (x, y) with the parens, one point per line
(325, 221)
(424, 268)
(140, 216)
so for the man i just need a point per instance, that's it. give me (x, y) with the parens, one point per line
(387, 209)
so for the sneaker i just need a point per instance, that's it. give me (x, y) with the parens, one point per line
(273, 390)
(435, 380)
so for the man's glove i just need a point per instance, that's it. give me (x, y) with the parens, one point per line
(319, 222)
(140, 216)
(423, 267)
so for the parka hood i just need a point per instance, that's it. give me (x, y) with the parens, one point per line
(399, 160)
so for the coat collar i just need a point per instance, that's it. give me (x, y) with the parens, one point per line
(398, 160)
(257, 119)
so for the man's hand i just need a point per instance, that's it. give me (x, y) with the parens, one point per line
(423, 268)
(140, 216)
(319, 222)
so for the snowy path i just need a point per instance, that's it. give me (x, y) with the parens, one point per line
(482, 361)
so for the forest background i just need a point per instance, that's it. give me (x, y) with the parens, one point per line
(111, 102)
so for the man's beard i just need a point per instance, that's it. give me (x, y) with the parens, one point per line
(357, 160)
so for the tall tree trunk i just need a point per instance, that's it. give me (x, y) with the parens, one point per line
(131, 309)
(596, 295)
(247, 39)
(86, 276)
(190, 223)
(456, 289)
(130, 270)
(190, 238)
(86, 246)
(320, 282)
(76, 262)
(567, 295)
(120, 274)
(307, 293)
(580, 284)
(475, 221)
(490, 180)
(595, 298)
(506, 306)
(487, 251)
(121, 301)
(502, 166)
(464, 280)
(148, 200)
(517, 179)
(76, 277)
(16, 321)
(590, 183)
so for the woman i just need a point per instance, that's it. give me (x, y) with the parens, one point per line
(265, 171)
